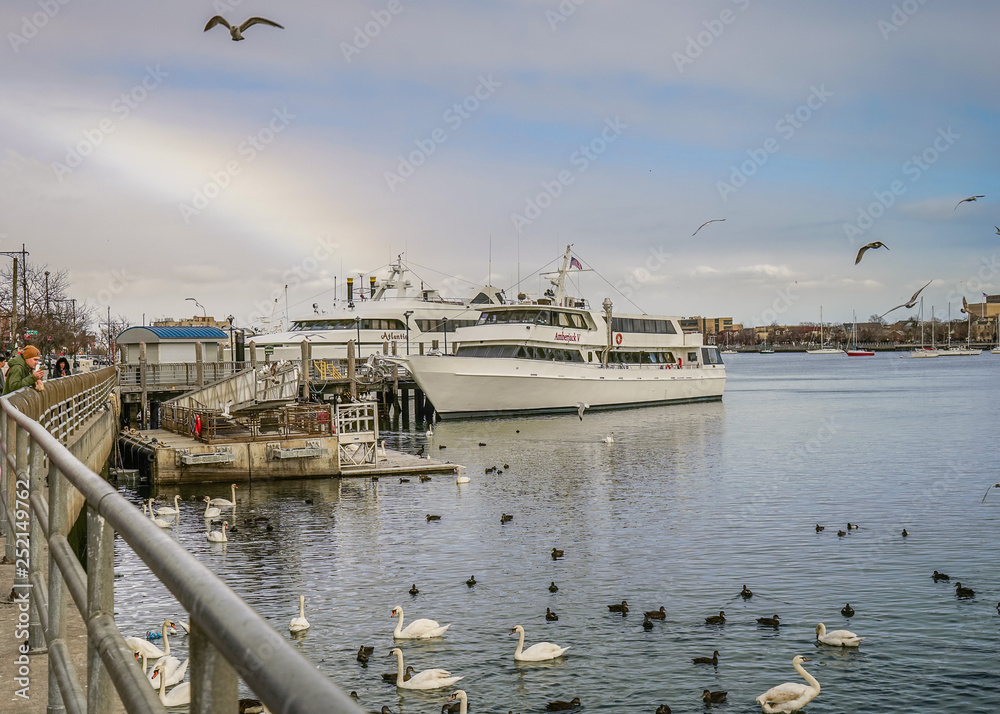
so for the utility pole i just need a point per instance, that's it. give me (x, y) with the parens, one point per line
(14, 331)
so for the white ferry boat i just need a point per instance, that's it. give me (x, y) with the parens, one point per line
(555, 354)
(393, 311)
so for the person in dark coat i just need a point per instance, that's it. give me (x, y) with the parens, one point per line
(62, 367)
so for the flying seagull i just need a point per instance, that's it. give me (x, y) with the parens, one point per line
(237, 30)
(876, 244)
(909, 303)
(998, 230)
(970, 198)
(580, 408)
(714, 220)
(965, 305)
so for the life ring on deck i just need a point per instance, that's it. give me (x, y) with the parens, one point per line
(197, 425)
(618, 338)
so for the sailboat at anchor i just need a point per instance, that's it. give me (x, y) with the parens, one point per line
(823, 348)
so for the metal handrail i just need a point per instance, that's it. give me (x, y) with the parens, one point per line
(228, 638)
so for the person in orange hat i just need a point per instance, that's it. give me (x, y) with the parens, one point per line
(23, 371)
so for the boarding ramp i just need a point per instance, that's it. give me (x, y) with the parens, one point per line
(266, 386)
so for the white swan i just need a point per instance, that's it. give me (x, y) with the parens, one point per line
(300, 623)
(144, 647)
(218, 536)
(168, 511)
(463, 701)
(224, 502)
(838, 638)
(178, 696)
(210, 510)
(790, 696)
(537, 652)
(170, 667)
(157, 521)
(418, 629)
(428, 679)
(609, 439)
(460, 476)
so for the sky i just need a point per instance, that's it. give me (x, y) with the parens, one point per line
(154, 161)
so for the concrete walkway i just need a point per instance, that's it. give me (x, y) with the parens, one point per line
(38, 664)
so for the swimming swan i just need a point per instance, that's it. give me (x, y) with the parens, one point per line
(428, 679)
(178, 696)
(537, 652)
(157, 521)
(790, 696)
(418, 629)
(300, 623)
(171, 669)
(210, 510)
(463, 701)
(837, 638)
(168, 511)
(218, 536)
(223, 501)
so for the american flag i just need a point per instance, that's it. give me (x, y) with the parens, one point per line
(574, 263)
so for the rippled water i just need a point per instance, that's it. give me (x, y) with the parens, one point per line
(686, 506)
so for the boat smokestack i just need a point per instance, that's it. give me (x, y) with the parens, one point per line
(350, 290)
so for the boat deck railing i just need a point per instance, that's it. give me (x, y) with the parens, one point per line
(228, 639)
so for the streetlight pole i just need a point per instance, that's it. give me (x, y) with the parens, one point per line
(357, 325)
(407, 316)
(204, 313)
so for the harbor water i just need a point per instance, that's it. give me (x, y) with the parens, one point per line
(687, 505)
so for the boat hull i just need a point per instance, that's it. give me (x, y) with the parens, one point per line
(465, 387)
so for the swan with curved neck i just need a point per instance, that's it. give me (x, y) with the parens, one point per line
(157, 521)
(176, 697)
(210, 510)
(837, 638)
(538, 652)
(168, 511)
(418, 629)
(225, 502)
(427, 679)
(218, 536)
(171, 669)
(463, 701)
(300, 623)
(790, 696)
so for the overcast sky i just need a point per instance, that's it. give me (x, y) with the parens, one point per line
(156, 162)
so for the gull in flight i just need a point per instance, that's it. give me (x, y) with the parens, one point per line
(714, 220)
(581, 408)
(970, 198)
(876, 244)
(909, 303)
(237, 30)
(998, 230)
(996, 485)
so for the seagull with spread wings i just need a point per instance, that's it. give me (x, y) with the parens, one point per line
(970, 198)
(237, 30)
(876, 244)
(909, 303)
(714, 220)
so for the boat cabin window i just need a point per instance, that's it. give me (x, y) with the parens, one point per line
(310, 325)
(692, 356)
(520, 352)
(710, 355)
(535, 316)
(629, 357)
(643, 325)
(440, 325)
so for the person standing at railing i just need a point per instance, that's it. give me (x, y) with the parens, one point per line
(62, 367)
(23, 371)
(3, 370)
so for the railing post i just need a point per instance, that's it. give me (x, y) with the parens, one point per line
(6, 484)
(20, 478)
(214, 686)
(101, 697)
(199, 366)
(57, 588)
(36, 636)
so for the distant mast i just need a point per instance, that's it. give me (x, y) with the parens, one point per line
(560, 282)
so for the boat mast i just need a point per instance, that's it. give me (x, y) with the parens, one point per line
(560, 282)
